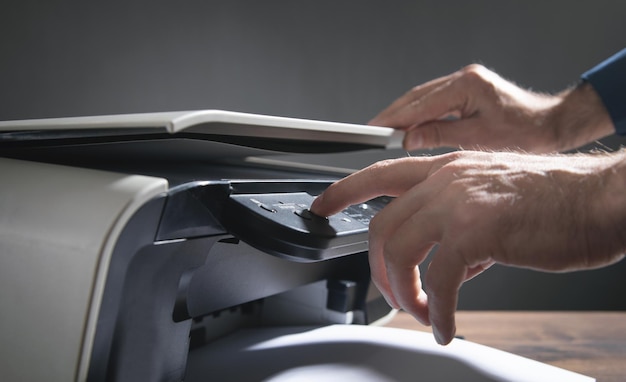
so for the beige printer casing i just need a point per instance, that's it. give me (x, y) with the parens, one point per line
(58, 226)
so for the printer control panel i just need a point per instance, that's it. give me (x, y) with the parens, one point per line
(291, 210)
(272, 216)
(281, 224)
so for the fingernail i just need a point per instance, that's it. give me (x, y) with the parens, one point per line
(438, 336)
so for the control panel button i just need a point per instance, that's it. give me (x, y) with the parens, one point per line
(304, 214)
(292, 230)
(267, 208)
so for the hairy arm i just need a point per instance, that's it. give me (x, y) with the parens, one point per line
(546, 212)
(475, 108)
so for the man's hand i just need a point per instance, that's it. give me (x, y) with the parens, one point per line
(553, 213)
(475, 108)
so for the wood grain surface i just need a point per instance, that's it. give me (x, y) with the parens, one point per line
(590, 343)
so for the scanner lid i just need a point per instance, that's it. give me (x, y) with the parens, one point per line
(273, 133)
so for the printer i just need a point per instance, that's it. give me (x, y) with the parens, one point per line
(169, 247)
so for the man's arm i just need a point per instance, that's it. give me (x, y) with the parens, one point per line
(475, 108)
(553, 213)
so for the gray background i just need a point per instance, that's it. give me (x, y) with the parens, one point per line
(329, 60)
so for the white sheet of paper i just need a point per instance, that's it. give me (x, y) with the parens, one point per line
(363, 353)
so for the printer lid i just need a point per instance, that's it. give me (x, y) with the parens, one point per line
(242, 129)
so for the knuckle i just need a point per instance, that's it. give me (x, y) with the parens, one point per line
(478, 76)
(415, 89)
(380, 172)
(454, 156)
(463, 220)
(381, 166)
(473, 70)
(376, 172)
(433, 286)
(448, 164)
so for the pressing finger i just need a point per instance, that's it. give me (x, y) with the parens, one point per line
(391, 177)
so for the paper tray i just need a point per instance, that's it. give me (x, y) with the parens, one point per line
(359, 353)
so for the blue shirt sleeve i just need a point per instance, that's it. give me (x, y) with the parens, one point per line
(609, 81)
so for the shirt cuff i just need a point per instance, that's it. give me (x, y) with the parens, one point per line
(609, 81)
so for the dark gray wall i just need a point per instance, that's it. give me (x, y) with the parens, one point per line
(331, 60)
(334, 60)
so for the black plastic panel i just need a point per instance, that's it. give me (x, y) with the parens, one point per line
(273, 216)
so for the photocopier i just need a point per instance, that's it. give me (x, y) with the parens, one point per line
(171, 247)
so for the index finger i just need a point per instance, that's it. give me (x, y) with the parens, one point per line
(390, 177)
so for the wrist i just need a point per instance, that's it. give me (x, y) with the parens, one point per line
(579, 118)
(607, 231)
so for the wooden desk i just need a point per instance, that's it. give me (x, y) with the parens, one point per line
(590, 343)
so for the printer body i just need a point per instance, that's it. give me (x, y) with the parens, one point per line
(168, 247)
(119, 258)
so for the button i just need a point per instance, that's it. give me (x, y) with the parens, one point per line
(267, 208)
(304, 214)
